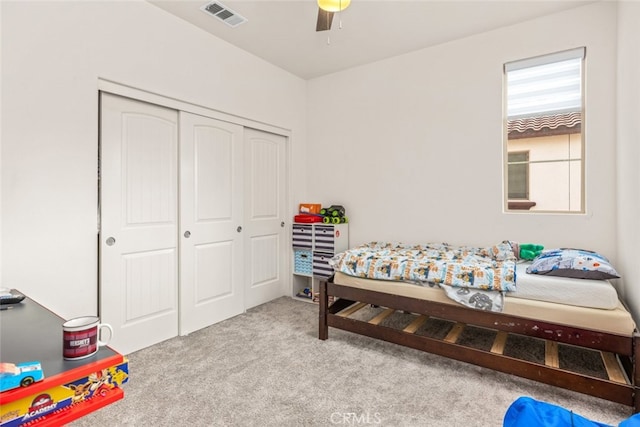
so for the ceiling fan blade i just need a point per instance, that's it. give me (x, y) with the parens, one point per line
(324, 20)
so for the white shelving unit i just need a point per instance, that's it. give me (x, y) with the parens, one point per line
(313, 246)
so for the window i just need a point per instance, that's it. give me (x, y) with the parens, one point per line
(518, 175)
(544, 168)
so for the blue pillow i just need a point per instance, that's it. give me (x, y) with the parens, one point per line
(575, 263)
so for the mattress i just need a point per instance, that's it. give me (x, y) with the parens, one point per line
(564, 290)
(615, 321)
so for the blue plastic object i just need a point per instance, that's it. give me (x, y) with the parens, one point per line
(528, 412)
(19, 375)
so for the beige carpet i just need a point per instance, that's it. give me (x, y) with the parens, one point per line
(268, 368)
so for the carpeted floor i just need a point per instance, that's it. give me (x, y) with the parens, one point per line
(268, 368)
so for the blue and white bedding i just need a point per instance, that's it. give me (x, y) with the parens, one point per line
(475, 277)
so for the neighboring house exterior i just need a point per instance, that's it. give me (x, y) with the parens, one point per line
(545, 162)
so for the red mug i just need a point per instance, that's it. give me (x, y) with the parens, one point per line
(80, 337)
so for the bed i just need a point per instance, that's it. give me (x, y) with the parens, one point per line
(609, 331)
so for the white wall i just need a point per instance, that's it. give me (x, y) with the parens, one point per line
(1, 103)
(385, 139)
(628, 139)
(382, 139)
(53, 54)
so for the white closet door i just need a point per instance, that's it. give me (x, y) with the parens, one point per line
(138, 238)
(265, 192)
(211, 246)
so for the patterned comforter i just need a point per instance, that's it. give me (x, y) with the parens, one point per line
(476, 277)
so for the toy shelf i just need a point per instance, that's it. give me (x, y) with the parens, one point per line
(313, 245)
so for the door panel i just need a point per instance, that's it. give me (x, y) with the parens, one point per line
(265, 205)
(211, 184)
(149, 284)
(212, 282)
(138, 197)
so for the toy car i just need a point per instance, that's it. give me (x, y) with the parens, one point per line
(19, 375)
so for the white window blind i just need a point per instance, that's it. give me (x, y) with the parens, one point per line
(544, 85)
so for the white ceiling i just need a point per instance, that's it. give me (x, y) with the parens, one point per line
(283, 32)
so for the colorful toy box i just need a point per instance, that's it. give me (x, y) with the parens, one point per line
(309, 208)
(61, 398)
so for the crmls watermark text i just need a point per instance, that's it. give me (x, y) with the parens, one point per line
(353, 419)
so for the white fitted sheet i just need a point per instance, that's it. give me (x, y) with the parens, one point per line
(564, 290)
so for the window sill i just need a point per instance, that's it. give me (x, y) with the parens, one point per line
(520, 205)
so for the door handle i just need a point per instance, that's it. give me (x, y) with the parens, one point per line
(239, 229)
(187, 234)
(282, 224)
(111, 241)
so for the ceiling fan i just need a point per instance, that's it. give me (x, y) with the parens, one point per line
(326, 9)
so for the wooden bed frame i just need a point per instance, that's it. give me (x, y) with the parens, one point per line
(620, 354)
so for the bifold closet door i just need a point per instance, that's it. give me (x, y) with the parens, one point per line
(211, 220)
(139, 222)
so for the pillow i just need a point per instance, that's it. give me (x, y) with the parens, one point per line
(575, 263)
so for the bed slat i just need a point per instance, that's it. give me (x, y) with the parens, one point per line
(613, 367)
(499, 342)
(351, 309)
(551, 357)
(417, 322)
(455, 332)
(380, 317)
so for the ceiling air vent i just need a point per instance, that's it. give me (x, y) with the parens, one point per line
(223, 13)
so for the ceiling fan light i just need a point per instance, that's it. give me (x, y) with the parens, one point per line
(333, 5)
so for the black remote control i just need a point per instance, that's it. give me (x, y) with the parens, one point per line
(11, 297)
